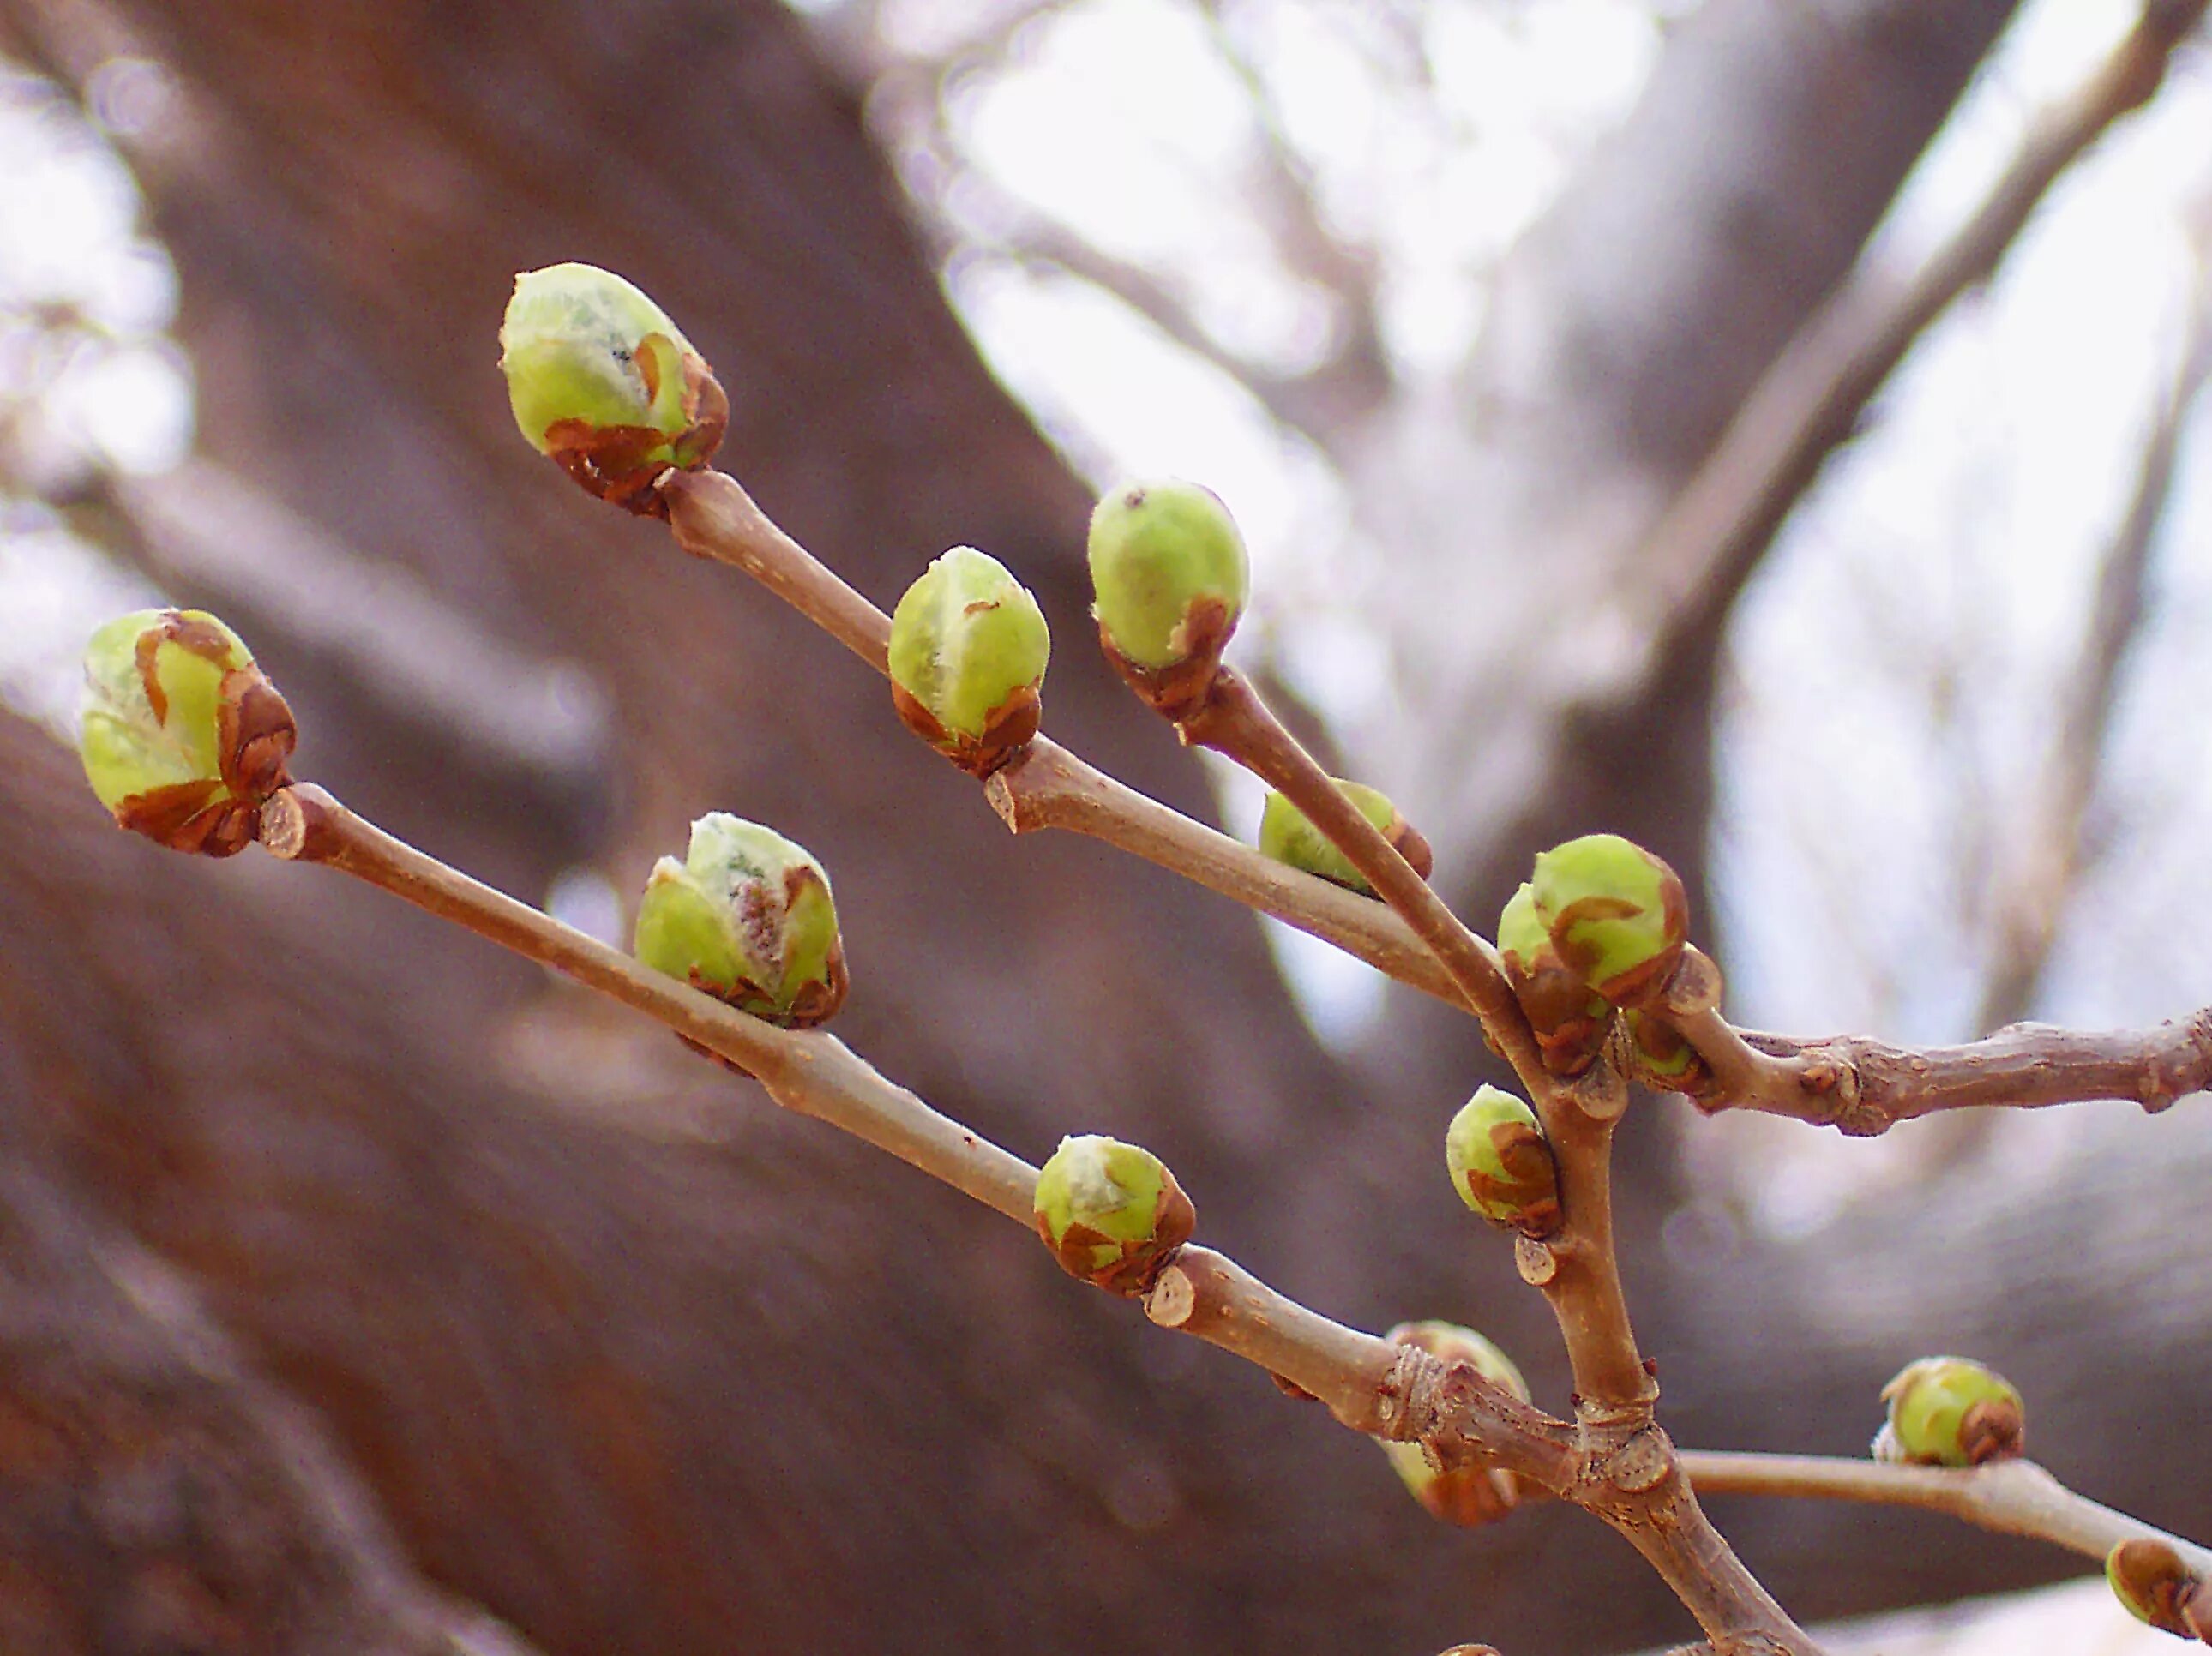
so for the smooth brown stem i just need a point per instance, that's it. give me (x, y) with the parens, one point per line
(1046, 786)
(1734, 1610)
(2016, 1497)
(1234, 721)
(812, 1073)
(1815, 1081)
(807, 1071)
(1581, 1276)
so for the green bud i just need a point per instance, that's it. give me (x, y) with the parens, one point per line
(1466, 1496)
(1111, 1213)
(2149, 1580)
(601, 380)
(748, 918)
(184, 738)
(1950, 1411)
(1501, 1163)
(1616, 914)
(1663, 1059)
(1171, 577)
(1569, 1021)
(1288, 836)
(967, 653)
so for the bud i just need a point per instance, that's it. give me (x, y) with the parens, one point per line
(967, 653)
(1288, 836)
(1111, 1213)
(1663, 1059)
(1949, 1411)
(2149, 1578)
(1501, 1163)
(1569, 1021)
(601, 380)
(1467, 1496)
(748, 918)
(1171, 577)
(1616, 913)
(184, 738)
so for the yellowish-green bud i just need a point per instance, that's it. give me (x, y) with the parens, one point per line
(1111, 1213)
(1617, 915)
(1663, 1059)
(601, 379)
(1289, 836)
(2149, 1580)
(1950, 1411)
(1171, 578)
(1501, 1164)
(1466, 1496)
(967, 653)
(1568, 1019)
(184, 738)
(748, 918)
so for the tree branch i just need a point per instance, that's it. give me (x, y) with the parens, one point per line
(1621, 1470)
(2016, 1497)
(1695, 562)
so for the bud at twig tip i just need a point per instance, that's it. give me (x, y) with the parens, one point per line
(184, 738)
(1950, 1411)
(1111, 1213)
(603, 383)
(1171, 578)
(2152, 1583)
(1616, 914)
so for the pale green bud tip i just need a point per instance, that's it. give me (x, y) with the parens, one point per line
(1950, 1411)
(2149, 1580)
(184, 738)
(1111, 1213)
(1501, 1164)
(1615, 914)
(967, 653)
(1466, 1496)
(1289, 836)
(748, 918)
(601, 379)
(1170, 574)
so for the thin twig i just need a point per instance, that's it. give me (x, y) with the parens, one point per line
(2016, 1497)
(1862, 1087)
(1578, 1273)
(1859, 1085)
(1375, 1386)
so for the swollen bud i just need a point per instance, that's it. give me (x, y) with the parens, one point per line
(184, 738)
(968, 652)
(1568, 1020)
(1171, 577)
(1287, 835)
(1663, 1059)
(1949, 1411)
(1111, 1213)
(1616, 914)
(1467, 1496)
(601, 380)
(1501, 1163)
(746, 917)
(2149, 1578)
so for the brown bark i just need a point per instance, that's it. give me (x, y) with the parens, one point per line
(630, 1359)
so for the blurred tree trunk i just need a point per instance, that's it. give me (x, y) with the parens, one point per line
(631, 1360)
